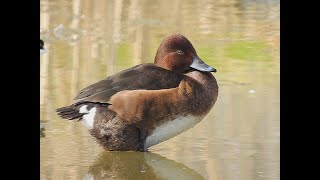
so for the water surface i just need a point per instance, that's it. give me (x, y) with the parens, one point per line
(90, 40)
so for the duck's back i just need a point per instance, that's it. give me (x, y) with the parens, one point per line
(144, 76)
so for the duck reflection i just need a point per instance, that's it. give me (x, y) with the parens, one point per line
(138, 165)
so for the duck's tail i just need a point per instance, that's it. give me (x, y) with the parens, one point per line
(77, 111)
(88, 112)
(70, 112)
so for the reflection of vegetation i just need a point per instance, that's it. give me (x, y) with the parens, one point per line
(123, 55)
(208, 54)
(138, 165)
(247, 50)
(42, 129)
(42, 132)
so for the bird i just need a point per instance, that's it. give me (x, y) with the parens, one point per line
(148, 103)
(42, 49)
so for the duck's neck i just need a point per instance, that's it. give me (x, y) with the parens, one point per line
(205, 79)
(204, 89)
(202, 77)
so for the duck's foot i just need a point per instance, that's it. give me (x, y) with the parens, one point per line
(142, 149)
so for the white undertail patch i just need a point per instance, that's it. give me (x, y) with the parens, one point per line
(83, 109)
(88, 118)
(171, 129)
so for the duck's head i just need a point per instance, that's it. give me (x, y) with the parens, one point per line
(177, 54)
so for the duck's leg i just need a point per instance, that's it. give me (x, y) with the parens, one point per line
(142, 141)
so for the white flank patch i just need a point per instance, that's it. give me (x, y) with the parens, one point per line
(88, 119)
(171, 129)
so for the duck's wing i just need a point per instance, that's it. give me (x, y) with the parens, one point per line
(144, 76)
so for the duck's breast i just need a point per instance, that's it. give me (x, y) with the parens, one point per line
(171, 128)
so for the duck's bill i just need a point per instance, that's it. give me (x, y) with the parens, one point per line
(198, 64)
(42, 51)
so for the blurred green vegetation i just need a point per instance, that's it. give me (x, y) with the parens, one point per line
(124, 53)
(248, 50)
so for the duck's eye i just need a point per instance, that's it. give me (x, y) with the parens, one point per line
(179, 52)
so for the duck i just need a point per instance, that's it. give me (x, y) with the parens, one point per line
(42, 49)
(148, 103)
